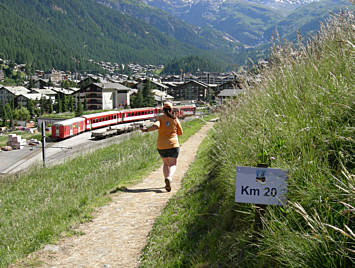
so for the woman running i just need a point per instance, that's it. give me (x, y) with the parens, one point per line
(169, 128)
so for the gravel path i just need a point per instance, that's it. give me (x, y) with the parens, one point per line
(118, 232)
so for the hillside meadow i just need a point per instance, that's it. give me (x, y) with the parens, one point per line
(299, 117)
(39, 206)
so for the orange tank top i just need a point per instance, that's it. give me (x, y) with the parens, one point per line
(168, 131)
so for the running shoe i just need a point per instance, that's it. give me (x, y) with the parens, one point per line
(167, 185)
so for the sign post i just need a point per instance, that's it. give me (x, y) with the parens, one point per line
(44, 143)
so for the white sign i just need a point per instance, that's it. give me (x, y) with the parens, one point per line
(266, 186)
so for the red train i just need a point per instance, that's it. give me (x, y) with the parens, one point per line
(77, 125)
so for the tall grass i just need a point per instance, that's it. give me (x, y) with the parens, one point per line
(36, 207)
(299, 117)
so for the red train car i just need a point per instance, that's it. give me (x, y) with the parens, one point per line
(104, 119)
(68, 128)
(185, 110)
(74, 126)
(138, 114)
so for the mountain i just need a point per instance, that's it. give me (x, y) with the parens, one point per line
(250, 22)
(65, 34)
(203, 38)
(306, 19)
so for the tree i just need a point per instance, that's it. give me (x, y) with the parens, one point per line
(79, 108)
(137, 100)
(71, 103)
(148, 97)
(31, 108)
(59, 108)
(50, 106)
(8, 115)
(65, 103)
(43, 105)
(31, 84)
(85, 104)
(22, 113)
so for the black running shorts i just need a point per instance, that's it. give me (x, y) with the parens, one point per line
(173, 152)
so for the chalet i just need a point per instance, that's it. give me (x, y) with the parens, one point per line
(161, 96)
(106, 96)
(62, 91)
(45, 92)
(154, 85)
(23, 98)
(173, 78)
(55, 76)
(88, 80)
(40, 82)
(11, 93)
(228, 94)
(192, 90)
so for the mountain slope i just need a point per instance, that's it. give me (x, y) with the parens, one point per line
(62, 33)
(306, 19)
(251, 22)
(204, 38)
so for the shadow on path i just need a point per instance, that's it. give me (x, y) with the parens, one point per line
(126, 190)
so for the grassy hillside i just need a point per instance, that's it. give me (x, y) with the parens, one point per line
(300, 117)
(40, 205)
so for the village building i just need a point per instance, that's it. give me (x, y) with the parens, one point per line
(106, 96)
(55, 76)
(45, 92)
(192, 90)
(61, 91)
(153, 83)
(228, 94)
(23, 98)
(161, 96)
(8, 93)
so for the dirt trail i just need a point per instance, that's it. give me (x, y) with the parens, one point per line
(119, 230)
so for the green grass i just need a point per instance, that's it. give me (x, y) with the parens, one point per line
(300, 117)
(39, 206)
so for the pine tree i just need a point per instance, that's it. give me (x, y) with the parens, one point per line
(85, 104)
(79, 108)
(71, 103)
(148, 97)
(59, 108)
(31, 107)
(42, 105)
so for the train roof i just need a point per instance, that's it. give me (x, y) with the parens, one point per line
(88, 116)
(69, 121)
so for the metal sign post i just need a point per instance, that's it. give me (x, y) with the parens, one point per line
(44, 143)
